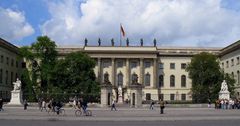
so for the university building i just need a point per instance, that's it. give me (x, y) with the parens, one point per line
(10, 67)
(159, 70)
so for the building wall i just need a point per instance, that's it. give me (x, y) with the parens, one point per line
(166, 71)
(10, 69)
(230, 63)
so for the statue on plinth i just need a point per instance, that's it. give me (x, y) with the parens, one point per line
(120, 99)
(16, 96)
(106, 79)
(224, 93)
(135, 78)
(17, 85)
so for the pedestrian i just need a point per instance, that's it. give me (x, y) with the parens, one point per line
(209, 103)
(162, 106)
(113, 105)
(25, 104)
(1, 104)
(44, 106)
(151, 105)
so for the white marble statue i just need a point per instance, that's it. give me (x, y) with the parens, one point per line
(224, 86)
(17, 85)
(224, 93)
(120, 91)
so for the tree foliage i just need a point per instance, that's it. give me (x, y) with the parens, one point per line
(75, 74)
(206, 75)
(41, 57)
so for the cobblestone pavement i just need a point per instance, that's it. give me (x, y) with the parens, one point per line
(124, 114)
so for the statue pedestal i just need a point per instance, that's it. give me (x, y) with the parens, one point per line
(120, 100)
(16, 97)
(224, 95)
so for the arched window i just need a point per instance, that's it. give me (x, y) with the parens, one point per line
(147, 79)
(172, 81)
(183, 81)
(161, 81)
(232, 74)
(120, 79)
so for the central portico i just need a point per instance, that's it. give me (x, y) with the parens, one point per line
(123, 65)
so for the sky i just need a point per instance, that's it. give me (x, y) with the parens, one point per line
(191, 23)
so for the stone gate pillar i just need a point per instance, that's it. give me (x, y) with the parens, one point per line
(136, 95)
(106, 95)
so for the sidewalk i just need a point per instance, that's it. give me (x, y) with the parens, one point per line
(123, 114)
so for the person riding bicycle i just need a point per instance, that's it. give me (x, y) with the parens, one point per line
(83, 104)
(58, 107)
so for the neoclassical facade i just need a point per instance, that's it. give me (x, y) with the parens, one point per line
(160, 70)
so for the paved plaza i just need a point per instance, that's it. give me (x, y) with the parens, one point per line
(124, 114)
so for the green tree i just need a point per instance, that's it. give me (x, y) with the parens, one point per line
(41, 57)
(205, 72)
(75, 74)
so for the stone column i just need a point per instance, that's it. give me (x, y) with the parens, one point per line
(113, 72)
(99, 70)
(155, 73)
(141, 77)
(127, 72)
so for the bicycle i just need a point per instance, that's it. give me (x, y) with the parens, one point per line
(79, 113)
(53, 111)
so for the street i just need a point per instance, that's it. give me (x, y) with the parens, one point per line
(16, 116)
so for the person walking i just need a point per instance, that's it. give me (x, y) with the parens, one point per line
(44, 106)
(151, 105)
(113, 105)
(162, 106)
(25, 104)
(1, 104)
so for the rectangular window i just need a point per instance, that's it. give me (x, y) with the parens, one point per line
(183, 97)
(12, 62)
(232, 62)
(172, 97)
(183, 65)
(11, 77)
(7, 60)
(172, 65)
(133, 64)
(161, 65)
(16, 64)
(16, 76)
(147, 79)
(6, 79)
(106, 64)
(238, 60)
(120, 64)
(1, 75)
(148, 96)
(2, 59)
(147, 64)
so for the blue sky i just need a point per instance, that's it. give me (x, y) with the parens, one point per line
(201, 23)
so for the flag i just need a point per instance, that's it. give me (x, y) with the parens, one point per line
(122, 31)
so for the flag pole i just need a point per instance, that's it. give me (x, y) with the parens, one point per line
(120, 35)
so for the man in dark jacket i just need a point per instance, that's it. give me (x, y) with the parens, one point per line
(162, 106)
(1, 104)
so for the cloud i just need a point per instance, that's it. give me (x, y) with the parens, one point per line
(171, 22)
(13, 25)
